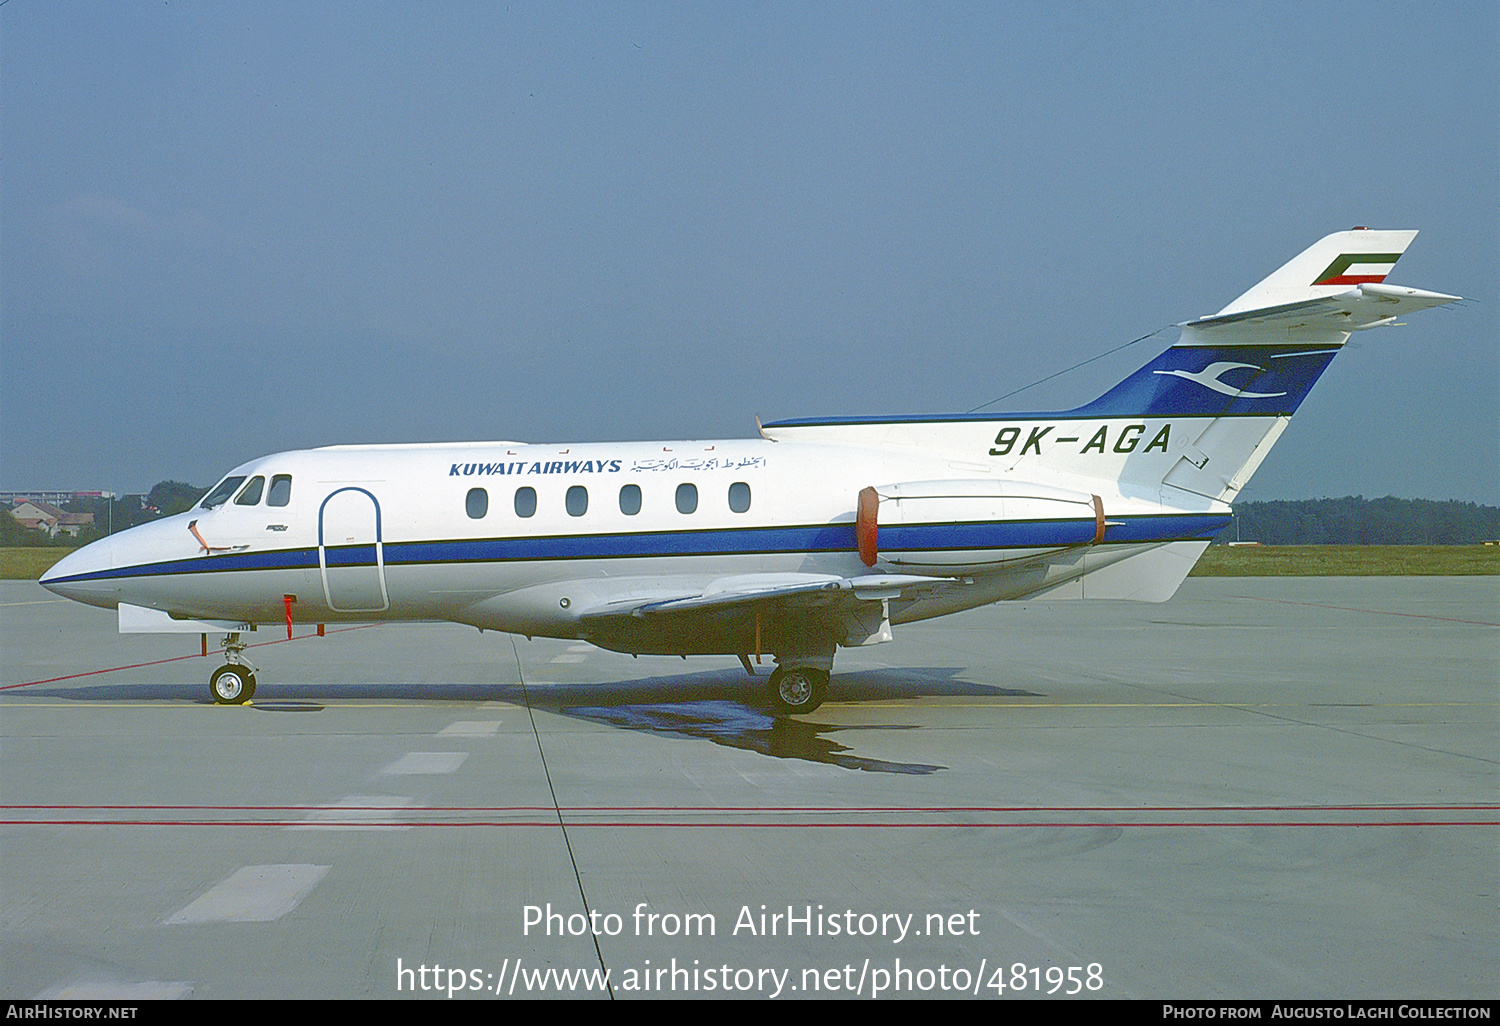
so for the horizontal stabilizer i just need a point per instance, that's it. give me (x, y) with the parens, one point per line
(1364, 306)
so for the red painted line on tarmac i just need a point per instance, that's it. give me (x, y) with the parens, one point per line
(386, 824)
(90, 673)
(1356, 609)
(1038, 825)
(173, 659)
(1482, 806)
(342, 817)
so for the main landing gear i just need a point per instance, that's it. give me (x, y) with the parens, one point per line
(798, 689)
(234, 682)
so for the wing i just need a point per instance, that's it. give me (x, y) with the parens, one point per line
(751, 612)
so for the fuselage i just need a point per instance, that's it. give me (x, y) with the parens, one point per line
(526, 538)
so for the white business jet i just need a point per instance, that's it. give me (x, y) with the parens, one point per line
(822, 532)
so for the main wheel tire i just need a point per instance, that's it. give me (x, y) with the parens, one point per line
(798, 689)
(231, 685)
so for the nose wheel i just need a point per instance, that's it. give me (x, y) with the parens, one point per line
(234, 682)
(231, 684)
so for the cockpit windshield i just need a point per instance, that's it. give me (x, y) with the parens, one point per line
(220, 493)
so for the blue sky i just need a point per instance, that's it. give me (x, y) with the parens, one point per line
(230, 229)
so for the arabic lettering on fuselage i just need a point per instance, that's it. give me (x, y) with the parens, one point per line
(600, 466)
(694, 463)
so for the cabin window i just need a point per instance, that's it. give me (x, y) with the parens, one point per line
(739, 497)
(220, 494)
(525, 502)
(577, 501)
(687, 498)
(281, 490)
(477, 503)
(250, 494)
(630, 500)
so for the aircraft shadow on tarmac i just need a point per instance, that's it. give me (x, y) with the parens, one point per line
(720, 706)
(703, 706)
(736, 725)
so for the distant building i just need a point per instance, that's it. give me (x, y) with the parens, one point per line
(36, 514)
(55, 498)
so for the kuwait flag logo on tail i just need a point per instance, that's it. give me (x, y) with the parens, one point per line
(1358, 269)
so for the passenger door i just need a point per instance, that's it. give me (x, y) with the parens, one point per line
(351, 554)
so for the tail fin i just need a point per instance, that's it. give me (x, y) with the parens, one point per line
(1326, 268)
(1215, 403)
(1248, 367)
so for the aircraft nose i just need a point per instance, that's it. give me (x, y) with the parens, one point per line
(81, 575)
(69, 566)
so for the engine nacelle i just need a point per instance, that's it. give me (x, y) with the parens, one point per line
(948, 526)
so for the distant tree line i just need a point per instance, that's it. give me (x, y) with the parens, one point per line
(1355, 520)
